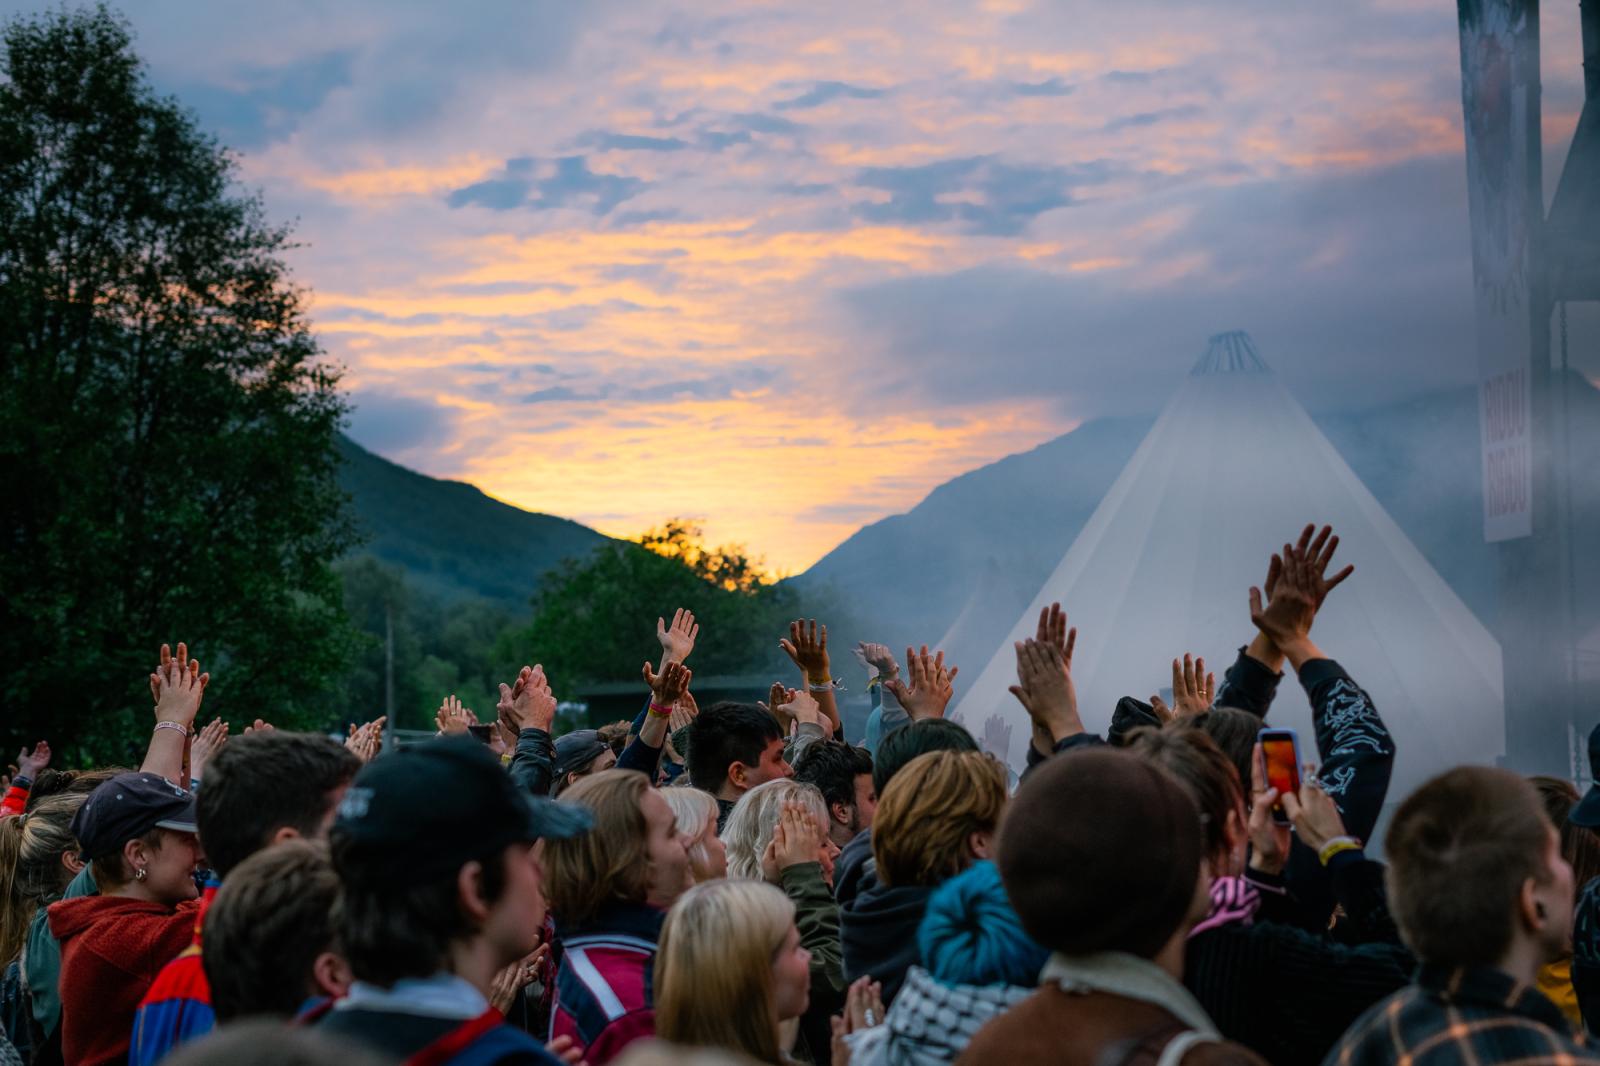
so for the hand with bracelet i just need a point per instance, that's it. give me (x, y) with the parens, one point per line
(666, 689)
(178, 687)
(807, 647)
(1316, 818)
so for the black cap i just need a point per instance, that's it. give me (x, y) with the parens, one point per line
(577, 750)
(1587, 812)
(425, 810)
(128, 806)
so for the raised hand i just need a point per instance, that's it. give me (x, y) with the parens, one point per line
(796, 839)
(677, 640)
(366, 740)
(1318, 556)
(527, 703)
(206, 743)
(808, 647)
(997, 737)
(1044, 688)
(258, 726)
(863, 1009)
(878, 658)
(1054, 632)
(684, 712)
(669, 685)
(931, 684)
(1286, 619)
(178, 686)
(452, 718)
(32, 762)
(1192, 688)
(1269, 841)
(509, 982)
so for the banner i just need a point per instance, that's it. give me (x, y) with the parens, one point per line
(1500, 104)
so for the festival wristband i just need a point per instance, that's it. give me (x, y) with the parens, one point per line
(658, 710)
(1335, 846)
(172, 725)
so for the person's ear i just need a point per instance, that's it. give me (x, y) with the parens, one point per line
(282, 833)
(841, 813)
(469, 890)
(981, 844)
(73, 862)
(738, 775)
(330, 975)
(1235, 830)
(135, 856)
(1530, 907)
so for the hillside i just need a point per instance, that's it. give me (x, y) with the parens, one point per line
(451, 540)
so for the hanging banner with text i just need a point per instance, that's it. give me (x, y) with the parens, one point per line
(1500, 102)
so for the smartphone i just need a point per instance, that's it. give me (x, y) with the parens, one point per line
(482, 732)
(1280, 750)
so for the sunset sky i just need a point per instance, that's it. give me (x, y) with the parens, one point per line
(786, 267)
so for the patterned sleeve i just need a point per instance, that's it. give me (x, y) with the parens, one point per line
(1355, 748)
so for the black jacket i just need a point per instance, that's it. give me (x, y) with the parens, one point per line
(878, 933)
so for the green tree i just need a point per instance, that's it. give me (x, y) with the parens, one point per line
(595, 619)
(167, 423)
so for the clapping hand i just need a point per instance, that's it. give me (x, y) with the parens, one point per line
(669, 685)
(527, 703)
(796, 839)
(863, 1009)
(366, 741)
(452, 718)
(932, 683)
(178, 686)
(878, 658)
(207, 742)
(1193, 690)
(808, 647)
(1044, 687)
(684, 712)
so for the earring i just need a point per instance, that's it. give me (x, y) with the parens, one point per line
(139, 874)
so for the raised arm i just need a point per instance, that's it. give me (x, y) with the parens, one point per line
(178, 686)
(527, 709)
(807, 646)
(643, 753)
(928, 686)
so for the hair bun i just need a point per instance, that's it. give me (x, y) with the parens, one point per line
(971, 935)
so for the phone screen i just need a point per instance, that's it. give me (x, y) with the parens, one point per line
(1282, 757)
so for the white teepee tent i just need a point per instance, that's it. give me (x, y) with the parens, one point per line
(1232, 469)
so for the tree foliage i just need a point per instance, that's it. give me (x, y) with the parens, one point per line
(595, 618)
(167, 423)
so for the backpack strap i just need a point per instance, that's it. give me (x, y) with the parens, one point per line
(454, 1042)
(1180, 1045)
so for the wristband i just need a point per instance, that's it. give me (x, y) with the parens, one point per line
(658, 710)
(172, 725)
(823, 686)
(1335, 846)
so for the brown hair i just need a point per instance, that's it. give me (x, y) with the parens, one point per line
(929, 811)
(713, 968)
(1460, 849)
(270, 920)
(1200, 766)
(608, 864)
(111, 870)
(1579, 846)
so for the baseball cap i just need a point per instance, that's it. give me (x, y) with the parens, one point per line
(1587, 812)
(426, 810)
(577, 750)
(128, 806)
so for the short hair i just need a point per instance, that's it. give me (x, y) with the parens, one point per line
(909, 741)
(1460, 849)
(265, 928)
(928, 812)
(610, 863)
(694, 812)
(833, 766)
(713, 967)
(749, 827)
(1194, 759)
(392, 929)
(261, 783)
(723, 734)
(1580, 846)
(614, 735)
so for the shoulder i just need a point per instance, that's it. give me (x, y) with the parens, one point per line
(505, 1045)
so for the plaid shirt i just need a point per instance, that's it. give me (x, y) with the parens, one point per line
(1470, 1015)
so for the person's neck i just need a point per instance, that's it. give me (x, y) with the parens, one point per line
(476, 962)
(139, 890)
(1170, 957)
(730, 792)
(1523, 959)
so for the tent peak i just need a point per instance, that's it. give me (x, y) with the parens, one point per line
(1232, 352)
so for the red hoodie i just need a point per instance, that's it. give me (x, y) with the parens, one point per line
(111, 950)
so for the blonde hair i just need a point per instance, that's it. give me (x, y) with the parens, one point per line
(695, 817)
(928, 813)
(31, 870)
(611, 862)
(713, 971)
(748, 830)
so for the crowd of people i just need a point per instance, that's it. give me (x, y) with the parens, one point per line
(740, 883)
